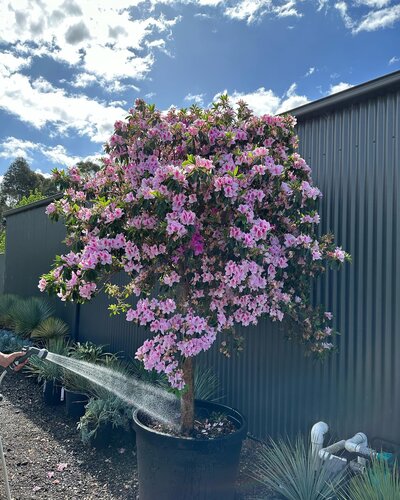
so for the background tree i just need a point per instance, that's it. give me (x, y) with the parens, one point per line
(88, 167)
(18, 181)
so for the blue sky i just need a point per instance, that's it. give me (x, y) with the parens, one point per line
(69, 69)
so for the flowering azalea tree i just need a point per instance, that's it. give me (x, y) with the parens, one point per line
(212, 216)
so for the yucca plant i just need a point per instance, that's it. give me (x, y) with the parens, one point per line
(378, 482)
(28, 314)
(88, 351)
(291, 471)
(50, 328)
(7, 302)
(206, 383)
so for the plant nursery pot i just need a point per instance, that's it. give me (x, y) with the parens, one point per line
(75, 403)
(181, 468)
(104, 437)
(51, 393)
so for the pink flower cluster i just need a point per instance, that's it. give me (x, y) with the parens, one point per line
(212, 212)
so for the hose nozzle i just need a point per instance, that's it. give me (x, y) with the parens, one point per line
(29, 351)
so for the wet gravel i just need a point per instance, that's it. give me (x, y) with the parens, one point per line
(46, 459)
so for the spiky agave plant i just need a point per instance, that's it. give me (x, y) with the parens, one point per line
(50, 328)
(206, 383)
(292, 471)
(7, 302)
(26, 315)
(379, 482)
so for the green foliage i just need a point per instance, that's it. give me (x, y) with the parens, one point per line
(88, 167)
(378, 482)
(2, 240)
(49, 328)
(18, 181)
(206, 383)
(43, 369)
(100, 412)
(88, 351)
(35, 195)
(292, 472)
(28, 314)
(10, 342)
(7, 303)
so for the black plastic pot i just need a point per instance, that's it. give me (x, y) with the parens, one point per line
(75, 403)
(107, 435)
(180, 468)
(51, 393)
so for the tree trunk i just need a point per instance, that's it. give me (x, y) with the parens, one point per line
(187, 399)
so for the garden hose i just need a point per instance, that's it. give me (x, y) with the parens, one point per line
(29, 351)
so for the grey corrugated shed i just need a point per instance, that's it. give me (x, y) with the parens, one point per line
(352, 145)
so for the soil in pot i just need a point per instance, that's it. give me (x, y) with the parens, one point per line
(75, 403)
(51, 393)
(173, 467)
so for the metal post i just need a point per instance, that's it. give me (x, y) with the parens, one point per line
(2, 457)
(3, 462)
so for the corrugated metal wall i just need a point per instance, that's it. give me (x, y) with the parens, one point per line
(354, 153)
(2, 271)
(31, 245)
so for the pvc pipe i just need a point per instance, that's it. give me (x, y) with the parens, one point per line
(329, 451)
(358, 441)
(359, 444)
(318, 432)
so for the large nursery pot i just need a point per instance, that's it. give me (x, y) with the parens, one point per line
(182, 468)
(75, 403)
(51, 393)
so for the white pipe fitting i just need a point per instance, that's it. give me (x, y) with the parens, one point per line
(318, 432)
(359, 444)
(358, 441)
(329, 452)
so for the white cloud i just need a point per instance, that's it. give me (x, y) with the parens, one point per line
(46, 175)
(39, 103)
(196, 98)
(322, 4)
(310, 71)
(264, 101)
(375, 20)
(11, 148)
(394, 60)
(343, 11)
(373, 3)
(253, 10)
(99, 38)
(339, 87)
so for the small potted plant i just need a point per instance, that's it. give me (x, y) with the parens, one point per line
(211, 214)
(48, 373)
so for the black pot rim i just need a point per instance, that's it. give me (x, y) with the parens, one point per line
(242, 430)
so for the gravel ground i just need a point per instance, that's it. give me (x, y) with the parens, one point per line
(46, 459)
